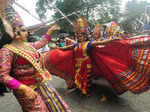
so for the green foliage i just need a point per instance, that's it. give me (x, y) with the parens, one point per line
(109, 11)
(67, 7)
(135, 14)
(101, 11)
(41, 8)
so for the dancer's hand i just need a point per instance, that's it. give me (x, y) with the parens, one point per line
(27, 91)
(53, 28)
(61, 48)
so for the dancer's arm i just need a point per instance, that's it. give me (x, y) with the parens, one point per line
(95, 43)
(69, 41)
(6, 59)
(69, 47)
(47, 37)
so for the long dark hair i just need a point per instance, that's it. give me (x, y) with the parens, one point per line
(5, 38)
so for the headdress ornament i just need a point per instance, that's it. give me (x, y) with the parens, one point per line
(7, 12)
(97, 28)
(13, 17)
(81, 26)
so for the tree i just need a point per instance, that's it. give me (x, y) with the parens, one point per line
(108, 11)
(101, 10)
(41, 8)
(135, 15)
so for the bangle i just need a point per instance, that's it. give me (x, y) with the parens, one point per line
(48, 37)
(13, 84)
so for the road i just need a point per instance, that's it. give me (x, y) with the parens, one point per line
(127, 102)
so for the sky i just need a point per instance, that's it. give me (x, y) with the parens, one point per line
(30, 6)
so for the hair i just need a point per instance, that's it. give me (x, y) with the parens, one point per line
(5, 39)
(30, 37)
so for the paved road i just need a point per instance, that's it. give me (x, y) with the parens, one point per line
(127, 102)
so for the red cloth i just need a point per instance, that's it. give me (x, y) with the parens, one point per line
(62, 60)
(112, 59)
(61, 63)
(124, 63)
(83, 67)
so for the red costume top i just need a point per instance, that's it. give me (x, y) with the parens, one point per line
(83, 66)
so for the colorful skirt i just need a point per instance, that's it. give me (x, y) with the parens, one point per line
(125, 64)
(47, 100)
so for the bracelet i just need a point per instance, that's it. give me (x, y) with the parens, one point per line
(48, 37)
(21, 89)
(13, 84)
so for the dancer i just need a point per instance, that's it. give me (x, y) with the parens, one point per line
(123, 63)
(21, 67)
(83, 71)
(97, 35)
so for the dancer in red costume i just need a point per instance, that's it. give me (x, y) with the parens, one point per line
(82, 62)
(125, 64)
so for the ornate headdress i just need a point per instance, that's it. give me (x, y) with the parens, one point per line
(97, 29)
(81, 26)
(8, 13)
(13, 17)
(112, 28)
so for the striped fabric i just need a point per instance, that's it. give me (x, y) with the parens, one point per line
(83, 73)
(137, 78)
(52, 99)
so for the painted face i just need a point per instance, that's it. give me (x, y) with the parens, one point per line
(81, 29)
(21, 33)
(97, 34)
(81, 37)
(97, 31)
(81, 23)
